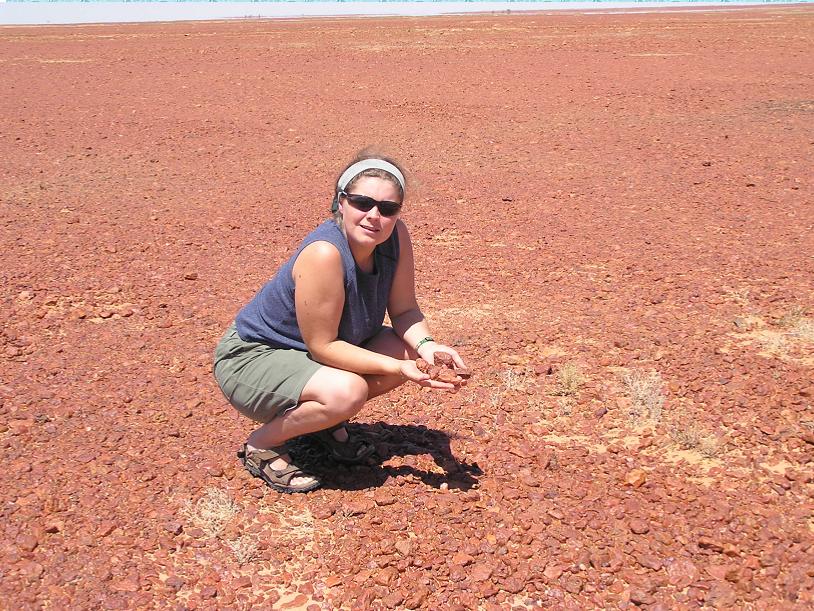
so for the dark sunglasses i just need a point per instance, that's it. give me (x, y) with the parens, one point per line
(365, 204)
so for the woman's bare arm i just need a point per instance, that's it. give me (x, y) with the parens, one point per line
(319, 297)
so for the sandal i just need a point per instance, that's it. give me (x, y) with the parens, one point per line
(350, 452)
(258, 463)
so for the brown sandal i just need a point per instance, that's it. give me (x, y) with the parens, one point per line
(352, 451)
(258, 463)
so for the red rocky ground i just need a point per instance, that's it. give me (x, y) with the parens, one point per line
(602, 200)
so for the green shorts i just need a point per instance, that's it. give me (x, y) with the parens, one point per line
(261, 382)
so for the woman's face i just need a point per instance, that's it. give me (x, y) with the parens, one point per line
(369, 229)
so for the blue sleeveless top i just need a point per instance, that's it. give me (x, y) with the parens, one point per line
(270, 316)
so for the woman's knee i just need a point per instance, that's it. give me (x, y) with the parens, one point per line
(349, 393)
(339, 391)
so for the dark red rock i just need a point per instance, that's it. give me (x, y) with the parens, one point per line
(209, 592)
(242, 582)
(649, 561)
(323, 512)
(462, 559)
(393, 600)
(710, 544)
(174, 527)
(721, 596)
(681, 573)
(417, 598)
(480, 572)
(638, 526)
(27, 542)
(641, 597)
(383, 498)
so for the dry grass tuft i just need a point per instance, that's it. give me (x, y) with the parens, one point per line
(298, 526)
(510, 380)
(791, 317)
(645, 391)
(212, 512)
(804, 330)
(797, 325)
(566, 405)
(690, 437)
(244, 548)
(569, 381)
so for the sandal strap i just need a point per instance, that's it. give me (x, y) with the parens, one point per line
(262, 459)
(351, 450)
(268, 454)
(284, 476)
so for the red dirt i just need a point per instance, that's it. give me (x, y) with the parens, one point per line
(610, 193)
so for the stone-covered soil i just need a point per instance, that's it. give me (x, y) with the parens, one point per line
(612, 218)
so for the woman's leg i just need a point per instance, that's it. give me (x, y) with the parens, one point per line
(332, 396)
(328, 398)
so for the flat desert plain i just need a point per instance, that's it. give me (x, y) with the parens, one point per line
(612, 218)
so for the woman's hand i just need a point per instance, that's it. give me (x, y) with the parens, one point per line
(428, 351)
(410, 371)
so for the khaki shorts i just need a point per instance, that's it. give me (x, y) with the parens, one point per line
(259, 381)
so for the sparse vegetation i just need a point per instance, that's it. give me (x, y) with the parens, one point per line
(244, 548)
(569, 381)
(797, 324)
(645, 391)
(212, 511)
(791, 318)
(566, 404)
(803, 329)
(690, 437)
(774, 343)
(783, 336)
(510, 380)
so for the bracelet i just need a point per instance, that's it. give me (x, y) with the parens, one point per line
(423, 341)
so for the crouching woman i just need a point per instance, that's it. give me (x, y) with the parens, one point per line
(306, 353)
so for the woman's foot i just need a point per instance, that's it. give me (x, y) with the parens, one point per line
(274, 467)
(342, 447)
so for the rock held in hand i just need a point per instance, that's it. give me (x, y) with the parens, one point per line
(444, 369)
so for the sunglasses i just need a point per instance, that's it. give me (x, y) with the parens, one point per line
(366, 204)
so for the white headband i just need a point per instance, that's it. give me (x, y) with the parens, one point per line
(369, 164)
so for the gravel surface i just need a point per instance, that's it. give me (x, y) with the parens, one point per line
(612, 223)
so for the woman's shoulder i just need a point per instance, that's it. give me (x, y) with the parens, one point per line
(323, 248)
(321, 251)
(318, 259)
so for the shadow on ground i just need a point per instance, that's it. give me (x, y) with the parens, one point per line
(390, 440)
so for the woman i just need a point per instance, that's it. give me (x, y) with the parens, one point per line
(309, 349)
